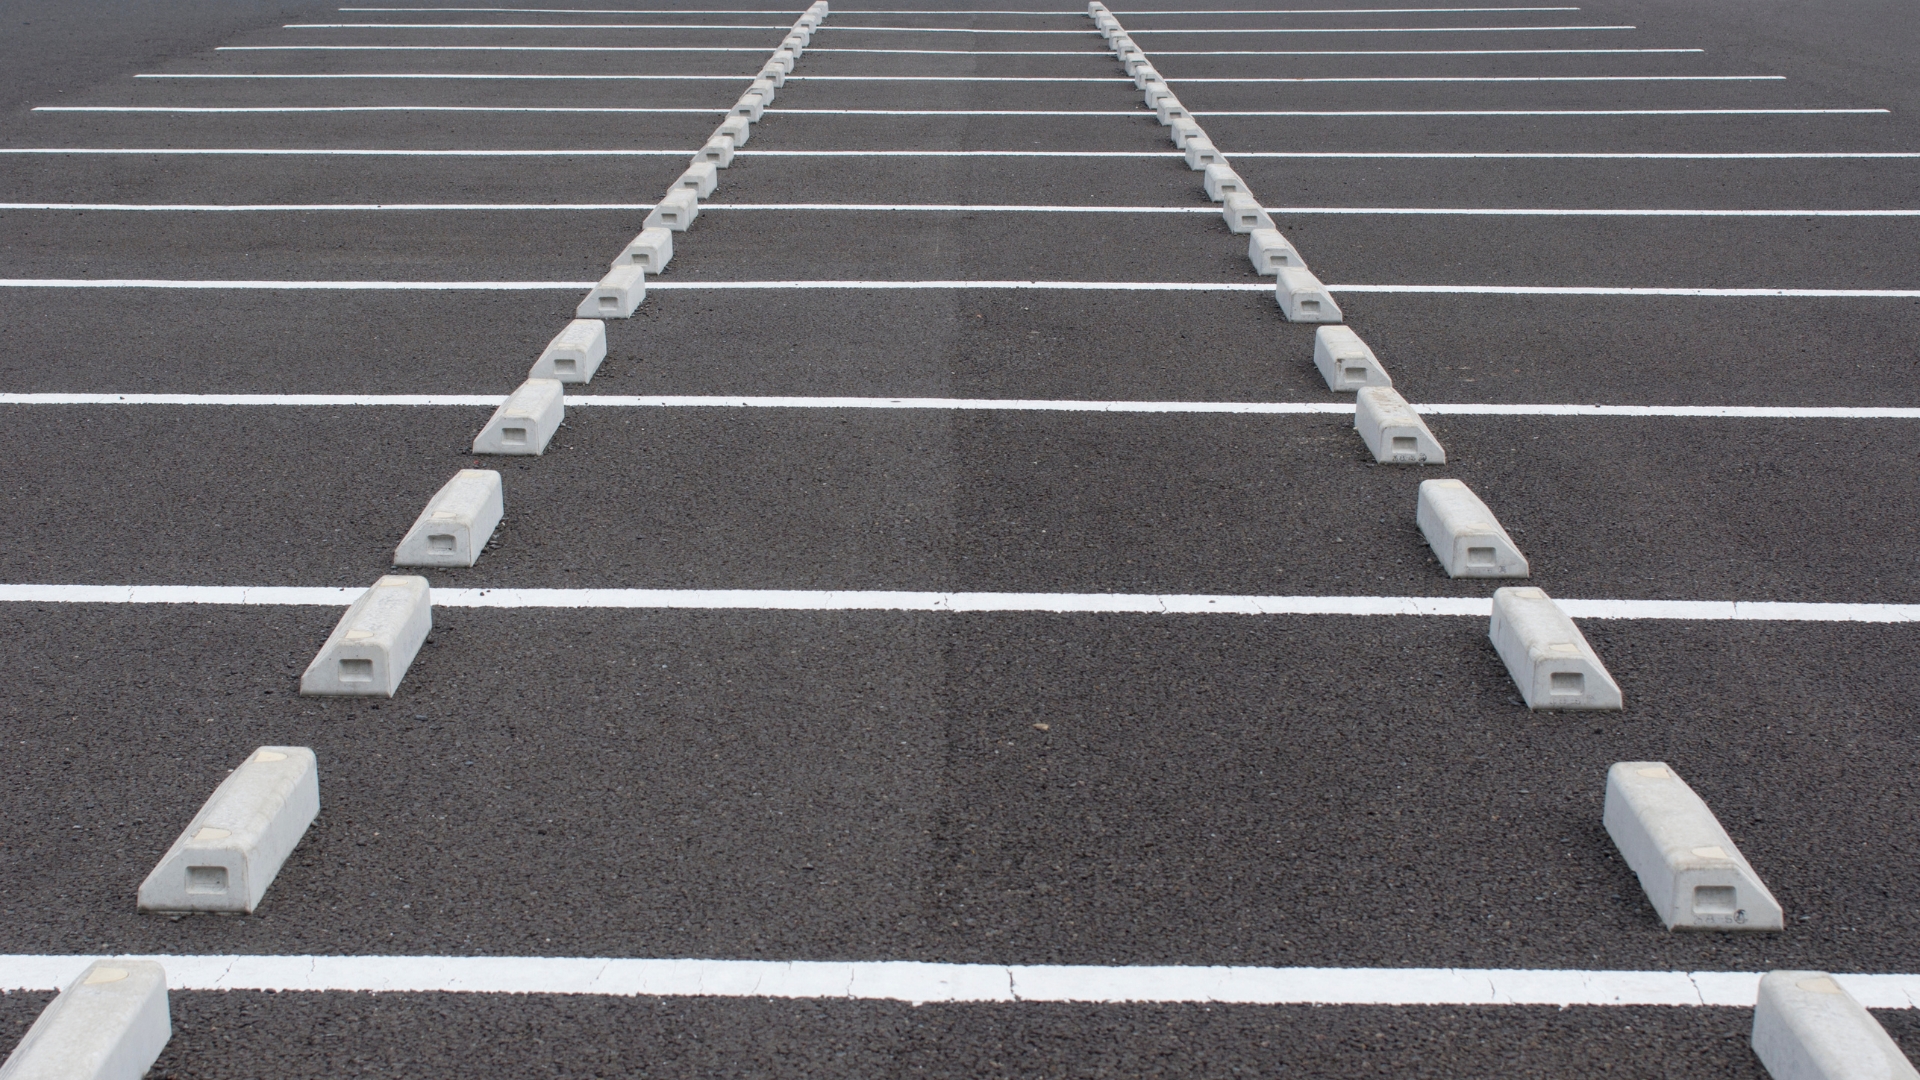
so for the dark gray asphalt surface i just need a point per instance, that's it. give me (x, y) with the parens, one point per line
(1274, 791)
(219, 1035)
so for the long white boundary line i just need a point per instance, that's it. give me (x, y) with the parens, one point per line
(941, 29)
(1062, 14)
(470, 76)
(966, 602)
(922, 983)
(724, 401)
(1126, 114)
(945, 208)
(162, 151)
(1057, 286)
(934, 52)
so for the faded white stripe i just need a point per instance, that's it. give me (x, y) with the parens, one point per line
(927, 982)
(976, 602)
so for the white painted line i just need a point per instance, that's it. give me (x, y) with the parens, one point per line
(1562, 156)
(536, 26)
(705, 208)
(909, 981)
(488, 78)
(159, 151)
(1124, 114)
(1533, 212)
(1068, 14)
(915, 982)
(201, 208)
(1056, 286)
(305, 152)
(1368, 30)
(943, 208)
(1083, 53)
(1480, 79)
(886, 600)
(1390, 52)
(189, 109)
(941, 29)
(1549, 112)
(721, 401)
(1559, 290)
(755, 49)
(319, 286)
(609, 11)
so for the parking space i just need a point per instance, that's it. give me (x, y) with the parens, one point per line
(960, 327)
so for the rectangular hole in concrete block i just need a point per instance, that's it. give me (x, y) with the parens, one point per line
(213, 879)
(1356, 374)
(1249, 219)
(1714, 900)
(565, 365)
(1314, 306)
(439, 542)
(609, 303)
(1405, 444)
(356, 671)
(1480, 556)
(514, 435)
(1566, 682)
(669, 216)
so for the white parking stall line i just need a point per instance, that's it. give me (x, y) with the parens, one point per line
(1368, 30)
(940, 208)
(754, 49)
(1480, 79)
(936, 52)
(988, 112)
(723, 401)
(958, 285)
(196, 109)
(535, 26)
(1546, 112)
(948, 29)
(1556, 155)
(920, 982)
(484, 77)
(633, 77)
(1127, 114)
(967, 602)
(1398, 52)
(1059, 14)
(170, 151)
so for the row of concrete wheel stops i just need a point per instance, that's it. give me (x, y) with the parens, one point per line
(1805, 1024)
(112, 1022)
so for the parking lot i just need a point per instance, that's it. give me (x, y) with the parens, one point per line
(958, 559)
